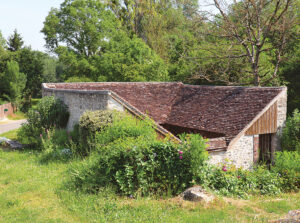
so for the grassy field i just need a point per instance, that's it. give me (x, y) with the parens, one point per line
(11, 134)
(32, 191)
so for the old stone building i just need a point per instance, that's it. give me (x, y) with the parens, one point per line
(241, 123)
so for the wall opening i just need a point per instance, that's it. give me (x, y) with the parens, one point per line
(265, 151)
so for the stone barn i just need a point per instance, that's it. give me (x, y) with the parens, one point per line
(241, 123)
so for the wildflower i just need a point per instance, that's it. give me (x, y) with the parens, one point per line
(180, 152)
(180, 157)
(41, 136)
(224, 168)
(238, 177)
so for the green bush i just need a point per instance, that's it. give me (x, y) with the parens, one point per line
(287, 164)
(229, 181)
(135, 166)
(290, 138)
(50, 112)
(98, 128)
(125, 125)
(53, 112)
(56, 145)
(128, 156)
(196, 146)
(89, 123)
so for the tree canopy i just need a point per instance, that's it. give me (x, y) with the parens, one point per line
(15, 42)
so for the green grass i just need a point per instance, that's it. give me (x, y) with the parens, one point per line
(11, 134)
(34, 102)
(17, 116)
(34, 192)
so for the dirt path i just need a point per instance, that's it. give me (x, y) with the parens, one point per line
(8, 125)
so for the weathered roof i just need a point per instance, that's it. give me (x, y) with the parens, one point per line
(217, 109)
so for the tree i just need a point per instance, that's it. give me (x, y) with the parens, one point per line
(14, 82)
(2, 41)
(85, 35)
(82, 25)
(130, 59)
(15, 42)
(31, 63)
(256, 33)
(156, 21)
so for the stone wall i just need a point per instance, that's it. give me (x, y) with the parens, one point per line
(281, 118)
(240, 154)
(3, 112)
(80, 101)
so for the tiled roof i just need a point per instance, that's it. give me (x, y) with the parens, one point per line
(218, 109)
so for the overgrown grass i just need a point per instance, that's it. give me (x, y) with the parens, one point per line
(35, 192)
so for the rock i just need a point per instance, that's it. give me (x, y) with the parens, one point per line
(197, 193)
(11, 143)
(292, 217)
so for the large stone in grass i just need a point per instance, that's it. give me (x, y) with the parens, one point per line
(292, 217)
(11, 143)
(196, 194)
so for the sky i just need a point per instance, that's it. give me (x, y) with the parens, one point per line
(27, 16)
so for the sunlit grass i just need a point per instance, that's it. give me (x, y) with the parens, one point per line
(17, 116)
(11, 134)
(34, 192)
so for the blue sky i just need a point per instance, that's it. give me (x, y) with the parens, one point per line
(27, 16)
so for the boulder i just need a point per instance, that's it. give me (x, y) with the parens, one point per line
(197, 193)
(292, 217)
(11, 143)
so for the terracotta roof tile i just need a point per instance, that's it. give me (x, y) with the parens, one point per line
(218, 109)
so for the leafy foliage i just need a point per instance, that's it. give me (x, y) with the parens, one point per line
(15, 42)
(50, 113)
(287, 164)
(130, 59)
(290, 138)
(130, 158)
(13, 83)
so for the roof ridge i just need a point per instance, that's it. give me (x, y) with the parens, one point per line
(224, 86)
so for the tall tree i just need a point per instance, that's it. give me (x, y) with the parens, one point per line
(84, 32)
(31, 63)
(256, 33)
(81, 25)
(2, 41)
(14, 83)
(15, 41)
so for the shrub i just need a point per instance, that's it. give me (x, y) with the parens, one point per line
(50, 113)
(287, 164)
(128, 156)
(125, 125)
(53, 112)
(135, 166)
(196, 146)
(98, 128)
(56, 145)
(229, 181)
(290, 138)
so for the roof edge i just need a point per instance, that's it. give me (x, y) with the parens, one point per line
(284, 89)
(138, 113)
